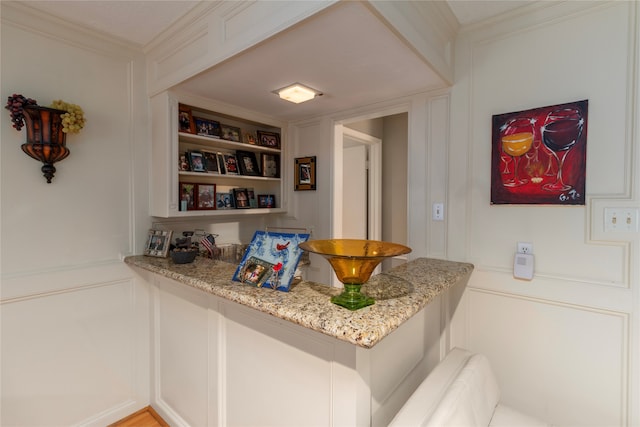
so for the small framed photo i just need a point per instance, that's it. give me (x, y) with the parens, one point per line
(158, 243)
(270, 165)
(183, 163)
(185, 119)
(230, 133)
(211, 163)
(206, 198)
(196, 161)
(305, 173)
(269, 139)
(253, 202)
(247, 163)
(187, 196)
(224, 201)
(255, 271)
(206, 127)
(241, 198)
(249, 137)
(266, 201)
(230, 164)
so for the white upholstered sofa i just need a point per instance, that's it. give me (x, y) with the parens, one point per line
(461, 391)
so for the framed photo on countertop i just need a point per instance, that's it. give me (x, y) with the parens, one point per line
(158, 243)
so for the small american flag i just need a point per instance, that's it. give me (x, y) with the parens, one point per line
(208, 242)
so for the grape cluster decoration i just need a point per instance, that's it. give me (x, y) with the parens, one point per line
(15, 105)
(72, 121)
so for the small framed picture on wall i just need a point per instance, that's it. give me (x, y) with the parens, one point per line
(305, 173)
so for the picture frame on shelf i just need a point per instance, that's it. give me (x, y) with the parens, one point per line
(186, 123)
(158, 242)
(196, 161)
(187, 196)
(270, 165)
(241, 198)
(206, 127)
(206, 196)
(305, 173)
(266, 201)
(211, 162)
(249, 137)
(230, 164)
(251, 194)
(268, 139)
(230, 133)
(183, 163)
(224, 201)
(247, 163)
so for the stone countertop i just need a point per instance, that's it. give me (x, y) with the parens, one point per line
(399, 293)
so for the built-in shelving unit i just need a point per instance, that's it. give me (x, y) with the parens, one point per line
(175, 184)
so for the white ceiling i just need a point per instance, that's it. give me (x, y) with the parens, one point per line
(359, 62)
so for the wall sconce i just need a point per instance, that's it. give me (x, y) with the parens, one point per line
(45, 140)
(297, 93)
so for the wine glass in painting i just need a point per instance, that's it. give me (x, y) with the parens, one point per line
(561, 131)
(516, 138)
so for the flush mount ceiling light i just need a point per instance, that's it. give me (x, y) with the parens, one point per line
(297, 93)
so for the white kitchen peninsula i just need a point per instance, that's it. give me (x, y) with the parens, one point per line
(226, 353)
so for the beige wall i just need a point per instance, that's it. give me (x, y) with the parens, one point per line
(566, 343)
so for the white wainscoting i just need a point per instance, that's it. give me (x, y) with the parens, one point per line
(77, 354)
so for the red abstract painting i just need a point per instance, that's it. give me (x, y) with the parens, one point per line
(539, 156)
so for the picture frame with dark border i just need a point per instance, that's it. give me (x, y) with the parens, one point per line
(196, 161)
(270, 165)
(158, 243)
(305, 173)
(211, 162)
(205, 196)
(206, 127)
(241, 198)
(230, 162)
(268, 139)
(266, 201)
(247, 163)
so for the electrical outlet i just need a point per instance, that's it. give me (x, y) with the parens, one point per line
(525, 248)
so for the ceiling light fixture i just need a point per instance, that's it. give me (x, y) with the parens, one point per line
(297, 93)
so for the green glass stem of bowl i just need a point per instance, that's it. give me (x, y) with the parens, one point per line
(353, 261)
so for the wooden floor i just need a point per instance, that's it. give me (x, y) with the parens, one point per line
(146, 417)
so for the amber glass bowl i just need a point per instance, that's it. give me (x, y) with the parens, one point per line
(353, 261)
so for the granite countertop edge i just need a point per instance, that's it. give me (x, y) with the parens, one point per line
(400, 294)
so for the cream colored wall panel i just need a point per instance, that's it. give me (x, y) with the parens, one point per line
(563, 363)
(270, 368)
(181, 352)
(73, 357)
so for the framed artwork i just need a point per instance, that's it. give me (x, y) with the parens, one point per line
(241, 198)
(270, 165)
(277, 253)
(206, 127)
(224, 201)
(187, 196)
(211, 162)
(305, 173)
(230, 133)
(183, 163)
(185, 119)
(206, 196)
(539, 156)
(196, 161)
(253, 202)
(266, 201)
(269, 139)
(230, 164)
(158, 243)
(247, 163)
